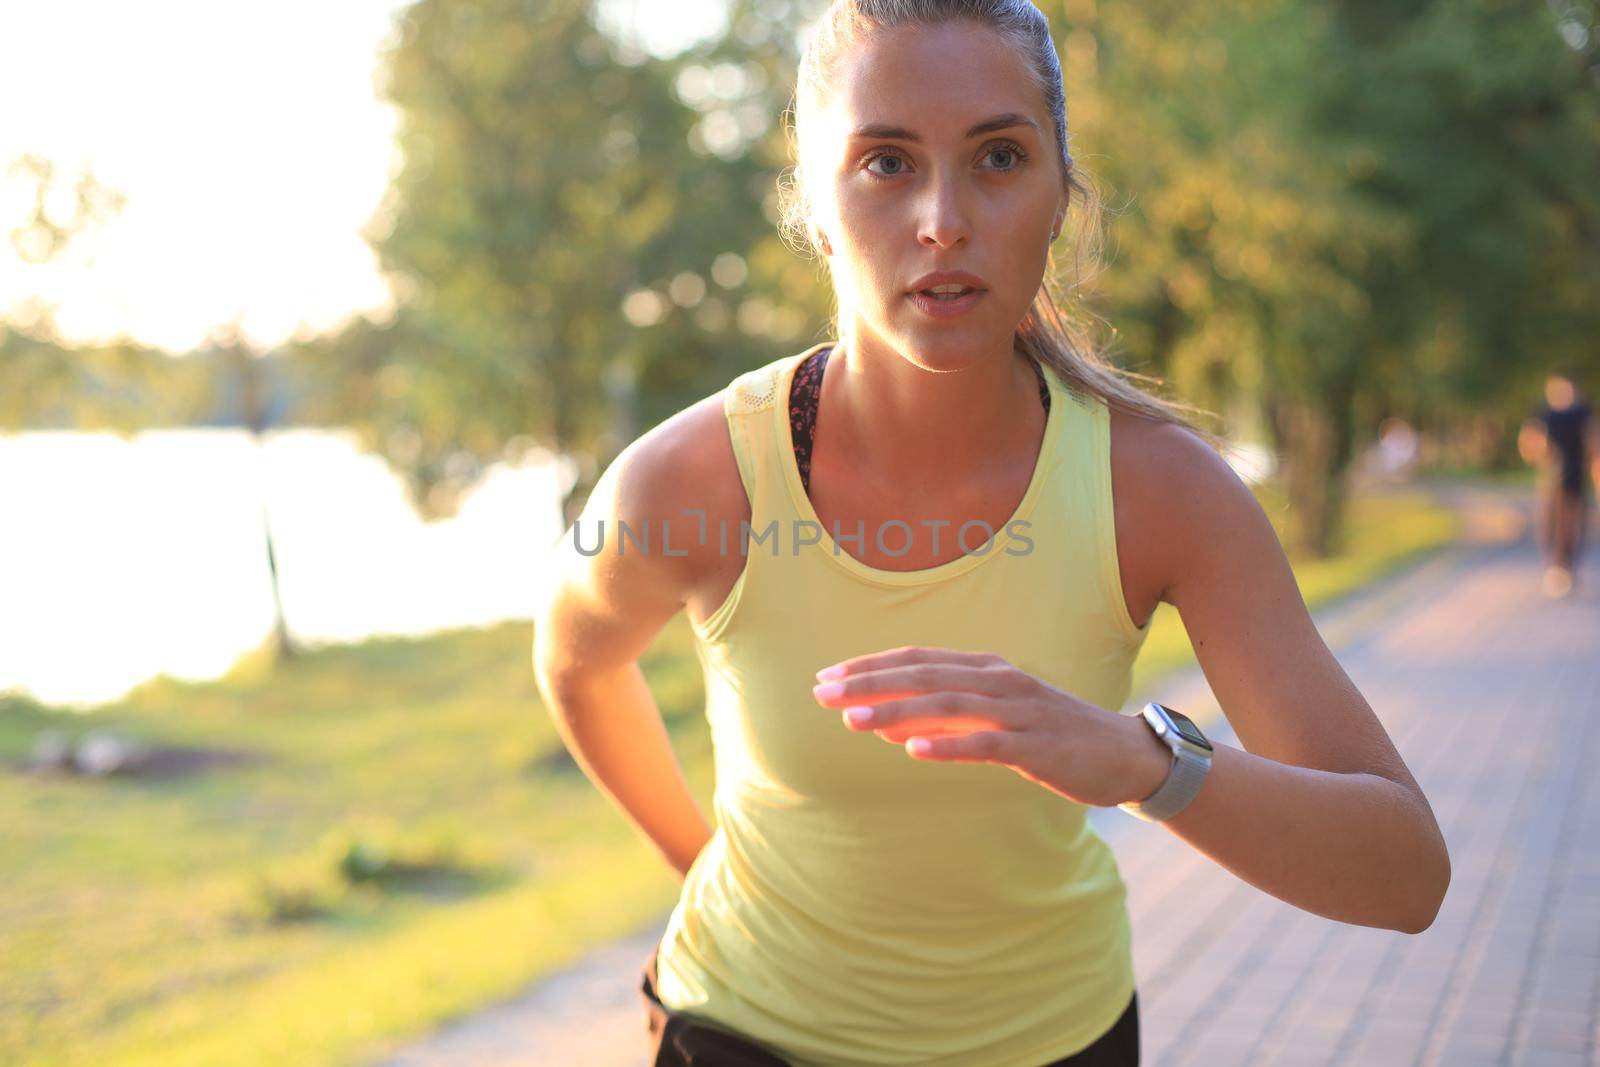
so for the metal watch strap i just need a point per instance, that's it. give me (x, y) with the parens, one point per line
(1183, 782)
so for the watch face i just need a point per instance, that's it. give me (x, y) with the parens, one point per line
(1186, 728)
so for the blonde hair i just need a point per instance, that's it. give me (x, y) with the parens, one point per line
(1046, 334)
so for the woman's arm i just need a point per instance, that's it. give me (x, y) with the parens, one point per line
(597, 614)
(1531, 442)
(1318, 809)
(1591, 427)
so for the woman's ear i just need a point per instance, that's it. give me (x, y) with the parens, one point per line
(821, 240)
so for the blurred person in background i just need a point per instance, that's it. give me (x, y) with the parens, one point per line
(1563, 438)
(1398, 448)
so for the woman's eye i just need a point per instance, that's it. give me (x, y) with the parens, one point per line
(1015, 155)
(888, 157)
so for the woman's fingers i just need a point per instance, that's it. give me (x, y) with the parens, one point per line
(950, 711)
(903, 656)
(910, 679)
(981, 746)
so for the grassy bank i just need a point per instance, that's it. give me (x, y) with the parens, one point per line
(1385, 532)
(385, 835)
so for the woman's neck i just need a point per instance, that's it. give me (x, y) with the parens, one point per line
(929, 429)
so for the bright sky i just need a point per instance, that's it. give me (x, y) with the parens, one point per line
(248, 140)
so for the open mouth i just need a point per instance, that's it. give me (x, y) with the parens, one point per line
(947, 294)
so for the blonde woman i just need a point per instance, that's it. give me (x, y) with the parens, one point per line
(919, 561)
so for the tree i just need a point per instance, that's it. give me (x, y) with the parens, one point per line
(574, 247)
(242, 364)
(1338, 210)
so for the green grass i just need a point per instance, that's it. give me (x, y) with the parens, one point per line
(134, 926)
(1520, 474)
(1385, 532)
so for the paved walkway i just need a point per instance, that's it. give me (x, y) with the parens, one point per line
(1491, 693)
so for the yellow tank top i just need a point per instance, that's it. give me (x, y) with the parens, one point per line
(856, 905)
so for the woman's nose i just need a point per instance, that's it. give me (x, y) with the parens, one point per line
(944, 218)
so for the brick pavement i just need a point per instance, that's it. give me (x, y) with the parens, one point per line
(1491, 693)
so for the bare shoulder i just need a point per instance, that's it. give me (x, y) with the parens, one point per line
(602, 598)
(681, 467)
(1170, 489)
(1196, 531)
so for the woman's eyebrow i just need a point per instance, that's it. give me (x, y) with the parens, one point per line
(881, 132)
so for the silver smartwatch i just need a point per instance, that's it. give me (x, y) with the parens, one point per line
(1191, 759)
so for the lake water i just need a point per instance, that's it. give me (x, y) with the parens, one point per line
(124, 558)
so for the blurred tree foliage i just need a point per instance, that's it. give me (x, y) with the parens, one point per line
(1322, 214)
(121, 387)
(1479, 123)
(1338, 212)
(45, 383)
(581, 236)
(1229, 249)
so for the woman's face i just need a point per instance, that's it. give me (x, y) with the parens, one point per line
(935, 153)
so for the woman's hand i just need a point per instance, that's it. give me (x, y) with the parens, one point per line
(942, 704)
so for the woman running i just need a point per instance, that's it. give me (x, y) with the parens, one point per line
(919, 561)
